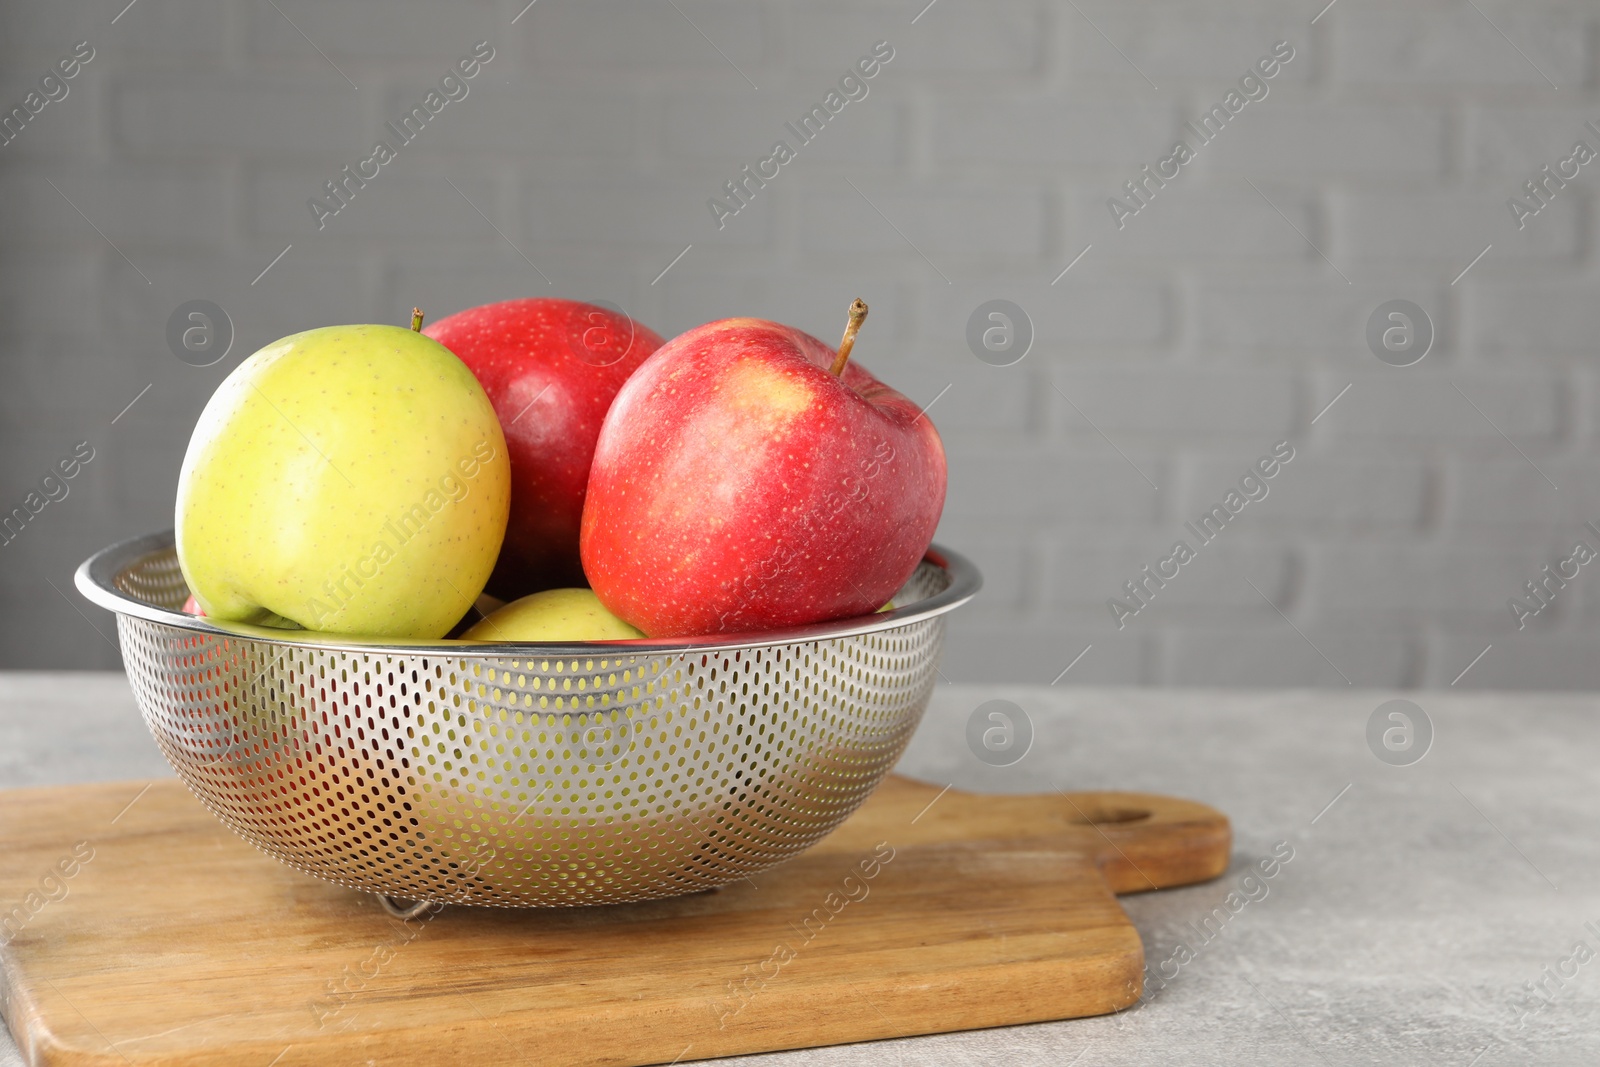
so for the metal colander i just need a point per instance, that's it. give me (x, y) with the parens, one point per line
(520, 775)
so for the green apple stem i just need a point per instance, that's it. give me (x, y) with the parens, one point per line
(858, 315)
(416, 319)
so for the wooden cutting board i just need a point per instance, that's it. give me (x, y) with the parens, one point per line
(145, 933)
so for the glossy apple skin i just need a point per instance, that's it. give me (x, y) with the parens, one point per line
(348, 479)
(738, 486)
(551, 369)
(553, 615)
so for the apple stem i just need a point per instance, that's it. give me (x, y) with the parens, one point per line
(416, 319)
(858, 315)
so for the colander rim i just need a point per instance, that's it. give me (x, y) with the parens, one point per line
(96, 580)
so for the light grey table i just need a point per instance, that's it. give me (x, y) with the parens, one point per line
(1421, 904)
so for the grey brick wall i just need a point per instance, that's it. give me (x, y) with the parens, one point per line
(1222, 318)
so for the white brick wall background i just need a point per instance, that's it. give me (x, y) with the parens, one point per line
(1221, 319)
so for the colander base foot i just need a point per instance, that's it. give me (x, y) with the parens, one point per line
(405, 909)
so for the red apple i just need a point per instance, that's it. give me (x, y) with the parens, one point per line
(551, 368)
(748, 477)
(192, 606)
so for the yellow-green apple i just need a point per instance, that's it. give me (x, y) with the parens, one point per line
(551, 368)
(553, 615)
(749, 477)
(351, 479)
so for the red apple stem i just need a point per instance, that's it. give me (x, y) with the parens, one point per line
(858, 315)
(416, 320)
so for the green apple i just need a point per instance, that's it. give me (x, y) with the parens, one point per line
(351, 479)
(553, 615)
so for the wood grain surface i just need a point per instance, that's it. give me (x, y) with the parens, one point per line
(135, 929)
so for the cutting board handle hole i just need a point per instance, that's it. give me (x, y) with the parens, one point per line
(1108, 816)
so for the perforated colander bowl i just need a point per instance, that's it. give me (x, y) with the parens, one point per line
(520, 775)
